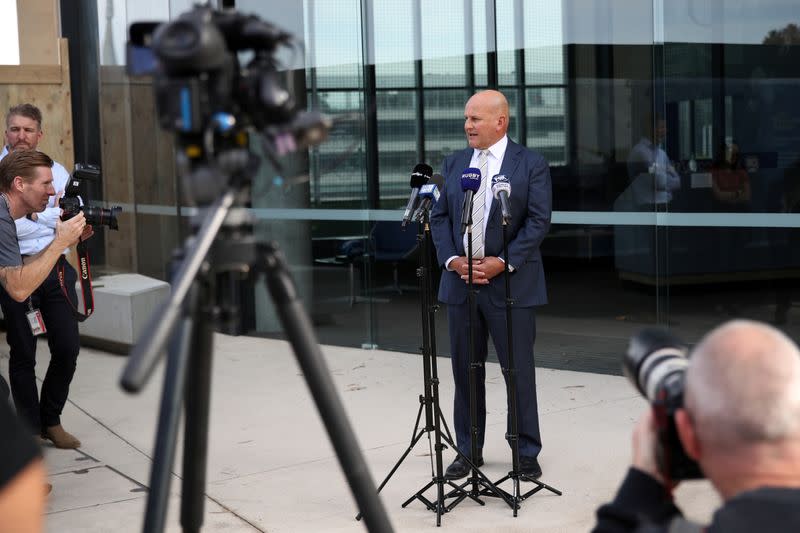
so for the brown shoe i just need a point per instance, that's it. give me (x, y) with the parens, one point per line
(61, 439)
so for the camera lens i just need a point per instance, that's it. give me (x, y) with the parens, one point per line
(655, 357)
(100, 216)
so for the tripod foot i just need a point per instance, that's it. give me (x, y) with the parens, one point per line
(517, 496)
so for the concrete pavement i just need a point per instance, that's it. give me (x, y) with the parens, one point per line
(271, 466)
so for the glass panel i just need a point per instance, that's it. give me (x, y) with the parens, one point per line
(546, 117)
(333, 37)
(444, 123)
(394, 43)
(338, 178)
(443, 44)
(397, 145)
(731, 79)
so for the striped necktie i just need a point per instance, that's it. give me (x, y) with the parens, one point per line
(478, 205)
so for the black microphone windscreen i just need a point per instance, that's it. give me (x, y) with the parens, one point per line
(420, 175)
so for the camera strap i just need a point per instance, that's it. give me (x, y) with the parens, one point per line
(85, 276)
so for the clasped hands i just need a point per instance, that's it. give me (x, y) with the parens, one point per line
(483, 270)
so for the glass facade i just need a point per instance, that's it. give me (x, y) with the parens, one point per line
(673, 143)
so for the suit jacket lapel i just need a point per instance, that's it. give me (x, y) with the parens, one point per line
(509, 166)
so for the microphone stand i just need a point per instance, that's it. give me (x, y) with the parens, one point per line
(429, 400)
(480, 484)
(516, 497)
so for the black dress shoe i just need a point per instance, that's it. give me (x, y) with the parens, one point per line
(460, 468)
(529, 467)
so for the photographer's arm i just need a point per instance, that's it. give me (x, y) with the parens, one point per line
(21, 281)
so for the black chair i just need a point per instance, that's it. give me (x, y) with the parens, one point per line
(387, 242)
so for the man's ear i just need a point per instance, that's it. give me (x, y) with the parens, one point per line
(18, 183)
(687, 434)
(502, 122)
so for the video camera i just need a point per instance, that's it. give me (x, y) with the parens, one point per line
(70, 203)
(201, 88)
(656, 363)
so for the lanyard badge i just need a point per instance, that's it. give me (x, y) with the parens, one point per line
(35, 320)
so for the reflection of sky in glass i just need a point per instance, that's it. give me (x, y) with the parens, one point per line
(696, 21)
(394, 30)
(732, 21)
(547, 24)
(337, 32)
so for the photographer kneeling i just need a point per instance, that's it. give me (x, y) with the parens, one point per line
(741, 423)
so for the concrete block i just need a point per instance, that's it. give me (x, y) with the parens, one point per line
(123, 304)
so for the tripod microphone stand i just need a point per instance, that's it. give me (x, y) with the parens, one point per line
(429, 400)
(478, 482)
(224, 243)
(516, 497)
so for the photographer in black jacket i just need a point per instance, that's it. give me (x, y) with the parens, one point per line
(741, 423)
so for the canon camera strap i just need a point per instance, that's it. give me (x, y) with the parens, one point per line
(85, 276)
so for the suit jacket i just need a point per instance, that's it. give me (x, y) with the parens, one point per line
(531, 205)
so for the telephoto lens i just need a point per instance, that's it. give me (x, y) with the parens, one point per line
(656, 364)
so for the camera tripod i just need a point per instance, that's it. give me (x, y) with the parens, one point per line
(224, 243)
(429, 400)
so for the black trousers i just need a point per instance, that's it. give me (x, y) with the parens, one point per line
(64, 342)
(491, 322)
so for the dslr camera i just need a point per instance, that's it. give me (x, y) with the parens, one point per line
(70, 203)
(656, 363)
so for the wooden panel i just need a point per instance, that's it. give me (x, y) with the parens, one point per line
(31, 74)
(54, 99)
(116, 164)
(38, 21)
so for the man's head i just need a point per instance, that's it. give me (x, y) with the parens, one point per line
(27, 180)
(23, 127)
(485, 118)
(742, 403)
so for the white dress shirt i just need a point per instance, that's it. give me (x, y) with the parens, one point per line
(494, 163)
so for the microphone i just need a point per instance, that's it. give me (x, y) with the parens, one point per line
(501, 189)
(419, 177)
(428, 195)
(470, 183)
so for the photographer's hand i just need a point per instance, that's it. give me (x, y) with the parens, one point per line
(645, 440)
(69, 231)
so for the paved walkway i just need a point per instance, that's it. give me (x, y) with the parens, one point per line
(272, 468)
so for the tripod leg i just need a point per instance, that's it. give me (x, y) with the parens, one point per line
(301, 336)
(195, 441)
(166, 436)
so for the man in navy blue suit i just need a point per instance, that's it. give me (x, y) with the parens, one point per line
(486, 123)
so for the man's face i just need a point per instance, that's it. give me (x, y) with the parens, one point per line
(22, 133)
(482, 124)
(36, 193)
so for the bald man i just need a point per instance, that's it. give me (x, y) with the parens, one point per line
(741, 423)
(490, 149)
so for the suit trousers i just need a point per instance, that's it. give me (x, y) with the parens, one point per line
(64, 342)
(490, 321)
